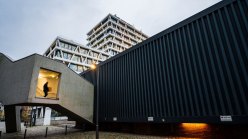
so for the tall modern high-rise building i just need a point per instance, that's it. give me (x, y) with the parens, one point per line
(76, 56)
(109, 37)
(113, 35)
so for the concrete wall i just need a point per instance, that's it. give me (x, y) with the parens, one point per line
(74, 92)
(19, 82)
(15, 79)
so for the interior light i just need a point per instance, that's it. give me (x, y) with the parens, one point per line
(40, 76)
(194, 126)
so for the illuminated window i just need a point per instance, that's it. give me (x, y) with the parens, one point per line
(47, 85)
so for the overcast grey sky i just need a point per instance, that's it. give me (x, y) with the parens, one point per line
(30, 26)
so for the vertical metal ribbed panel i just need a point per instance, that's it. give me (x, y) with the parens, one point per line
(194, 71)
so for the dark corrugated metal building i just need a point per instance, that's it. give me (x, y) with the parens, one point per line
(194, 71)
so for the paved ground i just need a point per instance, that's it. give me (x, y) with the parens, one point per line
(58, 132)
(36, 131)
(82, 135)
(103, 135)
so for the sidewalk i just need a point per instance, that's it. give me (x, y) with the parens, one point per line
(37, 131)
(58, 132)
(83, 135)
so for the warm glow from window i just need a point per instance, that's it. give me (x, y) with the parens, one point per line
(194, 126)
(47, 84)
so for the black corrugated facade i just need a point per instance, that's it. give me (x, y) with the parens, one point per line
(194, 71)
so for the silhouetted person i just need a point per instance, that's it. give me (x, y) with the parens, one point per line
(45, 89)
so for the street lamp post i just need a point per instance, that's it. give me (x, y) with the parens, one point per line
(97, 103)
(97, 98)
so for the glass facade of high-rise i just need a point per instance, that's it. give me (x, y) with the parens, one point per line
(76, 56)
(113, 35)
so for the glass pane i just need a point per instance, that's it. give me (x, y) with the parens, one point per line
(73, 48)
(66, 46)
(80, 68)
(58, 53)
(69, 56)
(73, 67)
(65, 55)
(47, 85)
(62, 45)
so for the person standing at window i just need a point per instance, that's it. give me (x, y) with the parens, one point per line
(45, 89)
